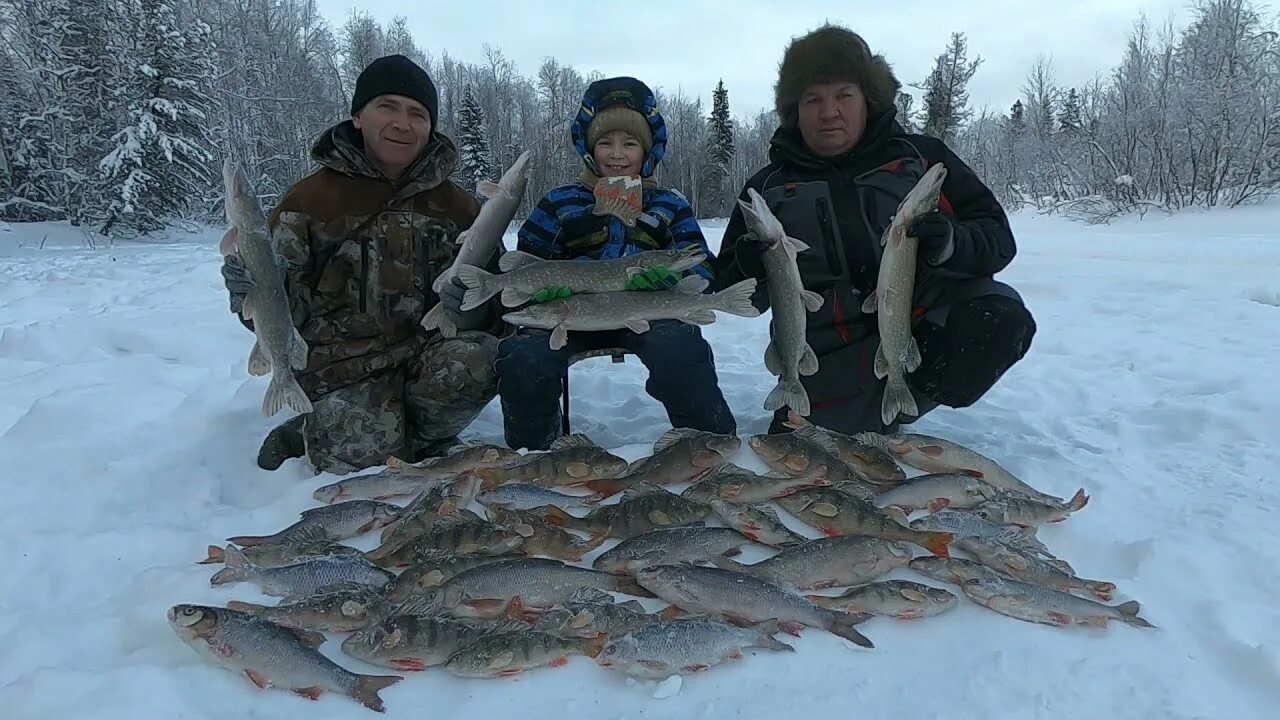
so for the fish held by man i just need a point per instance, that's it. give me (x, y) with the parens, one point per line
(280, 349)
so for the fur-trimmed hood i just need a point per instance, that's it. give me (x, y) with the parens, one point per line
(830, 54)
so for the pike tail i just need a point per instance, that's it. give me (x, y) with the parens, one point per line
(736, 299)
(1129, 614)
(238, 568)
(283, 391)
(842, 624)
(367, 687)
(897, 400)
(438, 319)
(790, 394)
(481, 285)
(938, 543)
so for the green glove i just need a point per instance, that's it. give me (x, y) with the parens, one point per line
(654, 278)
(551, 292)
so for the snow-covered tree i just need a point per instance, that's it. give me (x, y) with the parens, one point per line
(362, 43)
(904, 104)
(1069, 114)
(946, 94)
(397, 40)
(474, 163)
(161, 161)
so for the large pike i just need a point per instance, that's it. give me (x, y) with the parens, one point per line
(280, 349)
(524, 274)
(898, 353)
(634, 310)
(483, 237)
(788, 355)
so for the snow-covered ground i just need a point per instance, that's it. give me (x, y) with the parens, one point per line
(129, 427)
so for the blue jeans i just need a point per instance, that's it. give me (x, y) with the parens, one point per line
(682, 376)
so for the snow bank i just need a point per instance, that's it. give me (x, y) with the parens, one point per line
(128, 430)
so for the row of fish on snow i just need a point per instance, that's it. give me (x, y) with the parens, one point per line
(496, 595)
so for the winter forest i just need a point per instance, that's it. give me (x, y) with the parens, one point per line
(115, 114)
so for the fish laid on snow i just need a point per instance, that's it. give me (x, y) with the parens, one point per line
(828, 562)
(809, 453)
(936, 491)
(1013, 509)
(342, 521)
(417, 642)
(416, 519)
(734, 484)
(272, 655)
(876, 463)
(951, 569)
(894, 296)
(836, 512)
(641, 509)
(432, 569)
(742, 599)
(308, 544)
(964, 524)
(526, 496)
(280, 349)
(590, 612)
(507, 654)
(757, 522)
(339, 608)
(1021, 565)
(303, 579)
(901, 599)
(376, 486)
(669, 546)
(541, 537)
(677, 647)
(457, 460)
(524, 274)
(461, 534)
(483, 237)
(788, 355)
(685, 302)
(570, 460)
(1039, 604)
(680, 455)
(936, 455)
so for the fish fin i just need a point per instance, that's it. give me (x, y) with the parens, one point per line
(257, 678)
(512, 297)
(1129, 614)
(629, 586)
(513, 259)
(555, 516)
(259, 363)
(772, 362)
(237, 569)
(812, 300)
(480, 285)
(795, 245)
(881, 365)
(736, 299)
(911, 355)
(592, 646)
(637, 326)
(408, 664)
(1100, 589)
(869, 305)
(897, 400)
(559, 336)
(725, 563)
(311, 693)
(367, 687)
(244, 607)
(230, 240)
(766, 639)
(488, 189)
(938, 543)
(1078, 501)
(283, 391)
(573, 440)
(843, 625)
(298, 351)
(671, 437)
(790, 394)
(214, 556)
(671, 612)
(691, 285)
(437, 319)
(808, 364)
(310, 638)
(699, 317)
(589, 595)
(816, 435)
(603, 488)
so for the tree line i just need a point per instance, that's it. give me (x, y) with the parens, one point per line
(116, 114)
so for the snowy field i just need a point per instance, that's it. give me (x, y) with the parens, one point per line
(129, 428)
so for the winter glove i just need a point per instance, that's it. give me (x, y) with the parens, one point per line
(237, 279)
(451, 298)
(749, 253)
(551, 292)
(936, 234)
(654, 278)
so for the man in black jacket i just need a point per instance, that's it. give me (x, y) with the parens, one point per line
(839, 164)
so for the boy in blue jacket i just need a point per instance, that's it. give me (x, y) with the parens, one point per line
(619, 133)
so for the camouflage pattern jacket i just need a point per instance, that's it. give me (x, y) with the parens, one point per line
(360, 255)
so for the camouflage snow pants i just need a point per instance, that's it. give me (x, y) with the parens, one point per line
(405, 411)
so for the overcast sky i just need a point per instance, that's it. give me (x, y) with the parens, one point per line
(691, 44)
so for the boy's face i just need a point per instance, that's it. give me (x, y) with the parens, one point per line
(618, 154)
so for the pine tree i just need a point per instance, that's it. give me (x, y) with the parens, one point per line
(475, 162)
(161, 159)
(1069, 115)
(717, 196)
(904, 103)
(1017, 123)
(946, 94)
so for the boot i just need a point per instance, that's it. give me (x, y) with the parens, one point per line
(282, 443)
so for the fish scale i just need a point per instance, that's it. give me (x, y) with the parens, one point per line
(505, 654)
(302, 579)
(338, 522)
(538, 582)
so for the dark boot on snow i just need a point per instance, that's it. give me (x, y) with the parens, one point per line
(282, 443)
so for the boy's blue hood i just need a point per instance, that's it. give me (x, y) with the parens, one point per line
(631, 93)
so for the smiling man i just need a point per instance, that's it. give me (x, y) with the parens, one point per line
(839, 165)
(362, 240)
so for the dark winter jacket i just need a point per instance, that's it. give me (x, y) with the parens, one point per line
(840, 207)
(563, 226)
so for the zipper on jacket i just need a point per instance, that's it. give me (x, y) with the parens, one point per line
(364, 275)
(828, 238)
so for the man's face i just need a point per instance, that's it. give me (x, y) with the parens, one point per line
(833, 117)
(395, 131)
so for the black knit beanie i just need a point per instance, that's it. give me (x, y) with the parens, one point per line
(396, 75)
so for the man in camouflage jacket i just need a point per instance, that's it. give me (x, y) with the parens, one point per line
(361, 241)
